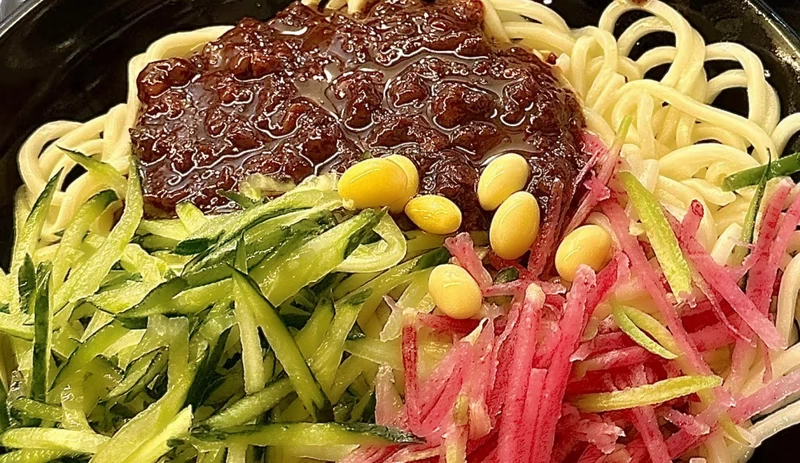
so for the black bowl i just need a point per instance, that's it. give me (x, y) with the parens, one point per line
(67, 59)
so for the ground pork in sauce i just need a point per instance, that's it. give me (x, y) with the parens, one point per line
(307, 91)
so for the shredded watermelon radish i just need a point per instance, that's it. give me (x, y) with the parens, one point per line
(620, 223)
(766, 397)
(461, 247)
(719, 280)
(645, 421)
(571, 328)
(604, 162)
(530, 383)
(512, 440)
(685, 421)
(449, 325)
(772, 238)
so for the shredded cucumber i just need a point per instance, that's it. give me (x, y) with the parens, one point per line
(378, 256)
(649, 394)
(42, 335)
(315, 259)
(87, 279)
(69, 248)
(637, 325)
(252, 406)
(320, 434)
(285, 348)
(27, 408)
(53, 439)
(138, 341)
(28, 236)
(33, 456)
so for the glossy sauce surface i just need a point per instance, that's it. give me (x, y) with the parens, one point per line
(307, 92)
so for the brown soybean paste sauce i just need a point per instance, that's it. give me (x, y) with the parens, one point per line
(307, 92)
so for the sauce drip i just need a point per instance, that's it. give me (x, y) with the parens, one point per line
(309, 91)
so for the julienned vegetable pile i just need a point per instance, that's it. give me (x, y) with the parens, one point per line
(157, 339)
(297, 328)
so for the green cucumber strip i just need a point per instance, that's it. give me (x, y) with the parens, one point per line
(42, 336)
(158, 299)
(786, 165)
(214, 267)
(283, 279)
(28, 236)
(420, 241)
(662, 239)
(172, 229)
(240, 259)
(4, 419)
(223, 228)
(99, 320)
(26, 284)
(206, 372)
(749, 225)
(136, 372)
(155, 368)
(243, 201)
(378, 256)
(311, 335)
(402, 274)
(219, 320)
(16, 326)
(376, 351)
(353, 282)
(32, 456)
(649, 394)
(252, 354)
(319, 434)
(104, 172)
(87, 278)
(72, 403)
(147, 424)
(190, 216)
(156, 447)
(627, 318)
(231, 387)
(328, 355)
(28, 408)
(304, 453)
(52, 439)
(194, 300)
(96, 345)
(246, 293)
(136, 260)
(348, 371)
(363, 406)
(252, 406)
(76, 231)
(154, 243)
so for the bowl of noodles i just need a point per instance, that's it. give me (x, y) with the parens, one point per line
(399, 230)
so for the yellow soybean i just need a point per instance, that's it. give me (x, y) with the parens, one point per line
(412, 182)
(434, 214)
(503, 177)
(589, 245)
(374, 182)
(455, 292)
(515, 226)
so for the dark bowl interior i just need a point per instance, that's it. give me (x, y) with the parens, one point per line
(66, 59)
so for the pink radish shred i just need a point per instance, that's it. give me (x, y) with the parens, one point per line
(721, 281)
(462, 248)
